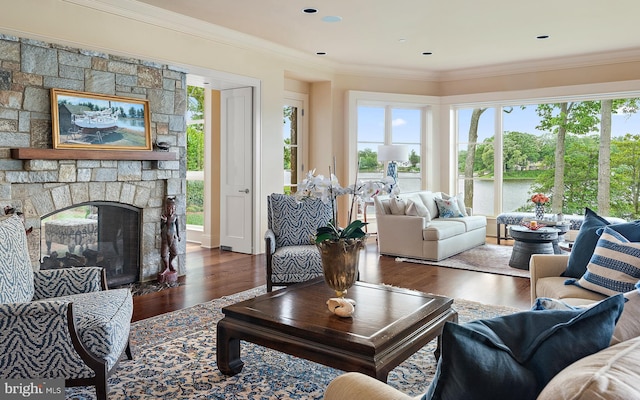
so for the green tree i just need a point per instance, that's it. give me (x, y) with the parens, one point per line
(414, 159)
(195, 147)
(562, 118)
(520, 150)
(368, 160)
(195, 102)
(625, 168)
(287, 153)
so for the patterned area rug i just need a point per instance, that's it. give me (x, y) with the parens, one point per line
(486, 258)
(175, 358)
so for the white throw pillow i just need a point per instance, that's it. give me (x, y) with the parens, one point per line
(397, 206)
(415, 207)
(428, 199)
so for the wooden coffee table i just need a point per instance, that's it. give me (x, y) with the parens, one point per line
(388, 326)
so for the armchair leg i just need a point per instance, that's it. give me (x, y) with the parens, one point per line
(101, 385)
(128, 351)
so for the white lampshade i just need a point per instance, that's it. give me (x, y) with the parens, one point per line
(393, 152)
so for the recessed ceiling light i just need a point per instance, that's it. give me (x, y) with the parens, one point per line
(309, 10)
(426, 53)
(402, 40)
(542, 37)
(321, 53)
(332, 18)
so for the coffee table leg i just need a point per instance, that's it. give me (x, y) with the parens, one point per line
(228, 351)
(437, 351)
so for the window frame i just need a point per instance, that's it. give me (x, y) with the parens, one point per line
(428, 106)
(591, 92)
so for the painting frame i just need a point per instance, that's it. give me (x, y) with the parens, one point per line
(83, 120)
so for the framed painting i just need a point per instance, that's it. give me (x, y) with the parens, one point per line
(101, 122)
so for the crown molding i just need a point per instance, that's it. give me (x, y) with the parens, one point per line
(532, 66)
(148, 14)
(155, 16)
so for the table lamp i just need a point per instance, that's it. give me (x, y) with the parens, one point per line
(392, 153)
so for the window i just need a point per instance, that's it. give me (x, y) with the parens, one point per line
(195, 156)
(560, 148)
(384, 124)
(290, 135)
(293, 134)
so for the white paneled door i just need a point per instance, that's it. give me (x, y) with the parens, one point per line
(236, 160)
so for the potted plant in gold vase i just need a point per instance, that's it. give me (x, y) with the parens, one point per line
(340, 247)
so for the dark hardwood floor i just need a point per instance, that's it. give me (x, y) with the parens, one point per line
(212, 273)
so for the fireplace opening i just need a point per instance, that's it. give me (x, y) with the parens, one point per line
(99, 234)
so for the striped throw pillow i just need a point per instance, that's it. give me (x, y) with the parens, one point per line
(614, 266)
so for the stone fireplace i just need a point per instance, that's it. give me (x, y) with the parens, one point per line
(115, 183)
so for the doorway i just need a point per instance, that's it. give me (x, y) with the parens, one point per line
(218, 167)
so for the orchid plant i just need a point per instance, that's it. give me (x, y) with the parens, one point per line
(328, 189)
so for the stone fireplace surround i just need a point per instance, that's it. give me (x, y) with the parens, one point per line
(39, 187)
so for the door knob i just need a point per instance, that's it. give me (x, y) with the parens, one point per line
(244, 191)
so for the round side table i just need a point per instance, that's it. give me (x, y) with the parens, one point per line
(528, 242)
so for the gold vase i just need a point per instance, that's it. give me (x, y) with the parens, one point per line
(340, 263)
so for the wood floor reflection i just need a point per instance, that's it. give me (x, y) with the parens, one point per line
(212, 273)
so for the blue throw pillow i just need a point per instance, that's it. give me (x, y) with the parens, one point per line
(584, 244)
(515, 356)
(448, 208)
(614, 266)
(630, 230)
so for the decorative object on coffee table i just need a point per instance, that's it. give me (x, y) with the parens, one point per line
(539, 200)
(340, 269)
(340, 247)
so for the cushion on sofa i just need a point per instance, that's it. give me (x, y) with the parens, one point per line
(459, 198)
(584, 244)
(611, 373)
(628, 325)
(614, 266)
(448, 208)
(415, 206)
(554, 287)
(515, 356)
(397, 205)
(429, 200)
(472, 222)
(440, 230)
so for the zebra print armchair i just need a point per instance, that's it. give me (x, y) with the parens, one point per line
(61, 323)
(292, 255)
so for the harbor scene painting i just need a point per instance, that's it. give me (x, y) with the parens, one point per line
(96, 121)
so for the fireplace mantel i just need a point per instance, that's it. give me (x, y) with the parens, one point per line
(25, 153)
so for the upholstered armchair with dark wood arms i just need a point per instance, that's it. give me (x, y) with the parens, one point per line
(292, 255)
(58, 324)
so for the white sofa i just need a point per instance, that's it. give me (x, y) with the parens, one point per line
(419, 231)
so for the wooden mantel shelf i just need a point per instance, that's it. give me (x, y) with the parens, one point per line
(81, 154)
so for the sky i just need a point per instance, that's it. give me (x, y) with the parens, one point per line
(526, 120)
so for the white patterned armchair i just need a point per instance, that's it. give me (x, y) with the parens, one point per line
(58, 323)
(292, 256)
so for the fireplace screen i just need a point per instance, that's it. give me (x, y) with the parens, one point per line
(95, 234)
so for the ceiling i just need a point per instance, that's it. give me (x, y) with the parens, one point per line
(460, 34)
